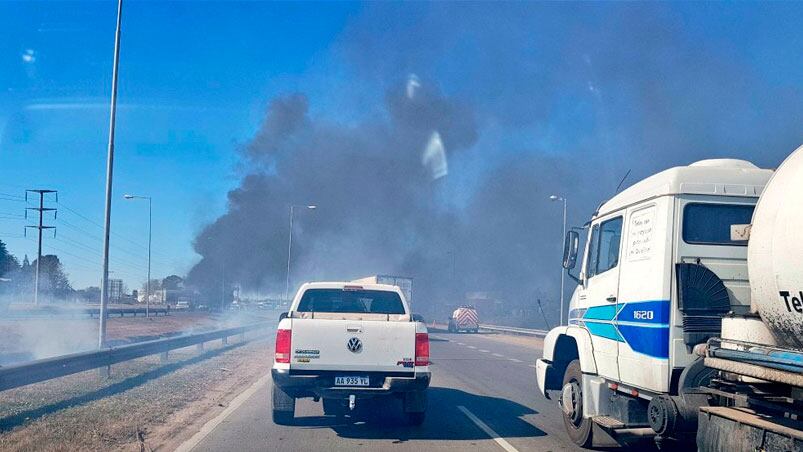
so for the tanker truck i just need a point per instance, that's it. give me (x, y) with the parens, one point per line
(686, 325)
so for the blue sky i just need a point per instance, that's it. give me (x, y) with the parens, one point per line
(193, 83)
(658, 84)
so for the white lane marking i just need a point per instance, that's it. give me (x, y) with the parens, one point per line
(488, 430)
(485, 351)
(498, 355)
(210, 426)
(515, 360)
(460, 343)
(472, 347)
(532, 365)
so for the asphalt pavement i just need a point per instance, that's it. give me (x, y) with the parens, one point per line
(482, 397)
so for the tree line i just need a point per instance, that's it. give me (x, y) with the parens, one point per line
(17, 278)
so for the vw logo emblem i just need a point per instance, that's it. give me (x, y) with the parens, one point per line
(354, 345)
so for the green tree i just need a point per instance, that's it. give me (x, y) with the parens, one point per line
(8, 263)
(52, 279)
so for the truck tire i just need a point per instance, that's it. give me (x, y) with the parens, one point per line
(415, 407)
(579, 428)
(284, 407)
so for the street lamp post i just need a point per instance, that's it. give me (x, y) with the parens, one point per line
(562, 270)
(107, 216)
(150, 235)
(290, 247)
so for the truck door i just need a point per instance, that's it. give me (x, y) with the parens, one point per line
(645, 287)
(598, 298)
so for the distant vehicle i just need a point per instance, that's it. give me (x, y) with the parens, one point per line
(202, 307)
(464, 318)
(342, 342)
(402, 282)
(264, 305)
(182, 305)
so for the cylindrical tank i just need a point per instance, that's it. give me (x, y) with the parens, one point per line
(775, 253)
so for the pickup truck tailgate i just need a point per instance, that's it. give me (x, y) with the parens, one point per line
(352, 345)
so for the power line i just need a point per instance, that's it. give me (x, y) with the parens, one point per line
(98, 225)
(116, 260)
(9, 195)
(94, 264)
(98, 238)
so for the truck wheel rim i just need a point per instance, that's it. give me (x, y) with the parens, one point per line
(572, 402)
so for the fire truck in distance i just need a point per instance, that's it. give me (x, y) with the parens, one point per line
(464, 318)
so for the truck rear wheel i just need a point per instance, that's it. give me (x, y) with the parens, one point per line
(415, 407)
(579, 428)
(284, 407)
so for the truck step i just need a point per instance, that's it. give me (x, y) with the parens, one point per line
(608, 422)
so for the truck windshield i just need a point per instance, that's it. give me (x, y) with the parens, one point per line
(351, 301)
(710, 224)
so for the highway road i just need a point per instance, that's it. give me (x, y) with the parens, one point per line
(482, 397)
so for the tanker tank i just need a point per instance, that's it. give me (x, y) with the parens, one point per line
(775, 253)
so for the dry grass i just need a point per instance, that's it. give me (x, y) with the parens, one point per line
(142, 405)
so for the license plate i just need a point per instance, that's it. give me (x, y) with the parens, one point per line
(351, 381)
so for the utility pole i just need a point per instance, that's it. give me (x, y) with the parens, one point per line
(41, 209)
(222, 285)
(107, 217)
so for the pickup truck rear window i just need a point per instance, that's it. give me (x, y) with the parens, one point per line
(351, 301)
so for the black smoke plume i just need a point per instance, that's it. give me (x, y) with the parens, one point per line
(535, 100)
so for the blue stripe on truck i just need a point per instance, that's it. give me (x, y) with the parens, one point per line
(643, 325)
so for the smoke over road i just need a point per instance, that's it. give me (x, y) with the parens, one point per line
(526, 101)
(377, 194)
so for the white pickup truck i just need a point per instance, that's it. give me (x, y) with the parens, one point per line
(341, 342)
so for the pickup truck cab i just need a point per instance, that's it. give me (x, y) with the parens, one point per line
(342, 342)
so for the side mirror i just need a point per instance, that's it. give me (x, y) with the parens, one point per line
(570, 247)
(283, 316)
(417, 318)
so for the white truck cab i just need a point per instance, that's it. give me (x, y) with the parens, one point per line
(659, 271)
(342, 342)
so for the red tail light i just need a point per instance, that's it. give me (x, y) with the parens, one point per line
(421, 349)
(283, 346)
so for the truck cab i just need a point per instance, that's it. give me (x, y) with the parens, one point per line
(660, 269)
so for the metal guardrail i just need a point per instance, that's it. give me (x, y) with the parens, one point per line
(45, 369)
(81, 312)
(514, 330)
